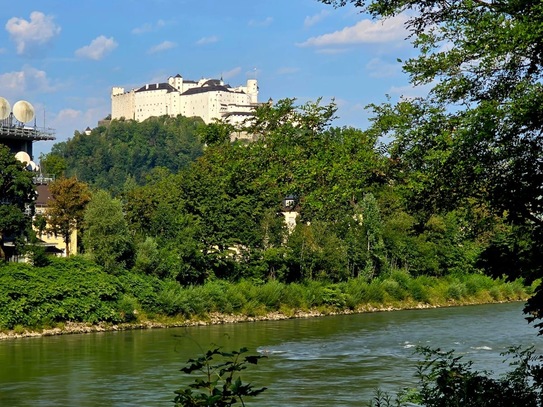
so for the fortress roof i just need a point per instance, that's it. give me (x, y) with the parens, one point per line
(206, 88)
(156, 86)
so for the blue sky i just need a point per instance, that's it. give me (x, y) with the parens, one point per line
(65, 56)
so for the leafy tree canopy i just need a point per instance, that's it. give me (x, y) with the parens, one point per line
(52, 165)
(108, 156)
(17, 194)
(106, 235)
(479, 133)
(482, 121)
(297, 152)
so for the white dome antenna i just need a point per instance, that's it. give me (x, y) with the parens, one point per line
(23, 157)
(5, 108)
(23, 111)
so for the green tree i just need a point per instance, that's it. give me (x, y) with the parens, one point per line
(215, 133)
(17, 194)
(106, 237)
(40, 223)
(372, 225)
(67, 207)
(144, 206)
(147, 256)
(298, 152)
(479, 133)
(53, 165)
(316, 252)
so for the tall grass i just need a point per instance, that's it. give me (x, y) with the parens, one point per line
(79, 291)
(397, 289)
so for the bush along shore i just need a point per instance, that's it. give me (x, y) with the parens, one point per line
(77, 296)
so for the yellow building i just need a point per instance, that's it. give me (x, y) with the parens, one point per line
(53, 243)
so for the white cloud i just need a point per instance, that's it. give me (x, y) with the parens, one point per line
(144, 28)
(64, 123)
(331, 51)
(207, 40)
(163, 46)
(231, 73)
(363, 32)
(2, 51)
(31, 36)
(97, 49)
(312, 20)
(287, 70)
(68, 115)
(18, 83)
(67, 120)
(378, 68)
(149, 27)
(261, 23)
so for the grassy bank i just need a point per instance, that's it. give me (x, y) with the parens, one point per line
(74, 295)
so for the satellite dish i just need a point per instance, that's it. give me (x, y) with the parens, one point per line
(5, 108)
(23, 111)
(23, 157)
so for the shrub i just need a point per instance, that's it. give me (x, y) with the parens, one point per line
(419, 291)
(173, 300)
(445, 380)
(495, 293)
(333, 296)
(357, 290)
(271, 294)
(220, 384)
(128, 308)
(456, 291)
(236, 297)
(314, 293)
(475, 283)
(214, 296)
(376, 292)
(507, 291)
(68, 289)
(394, 290)
(294, 296)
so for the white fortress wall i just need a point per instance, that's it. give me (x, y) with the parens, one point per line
(207, 98)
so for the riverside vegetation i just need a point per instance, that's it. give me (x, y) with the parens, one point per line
(79, 291)
(210, 238)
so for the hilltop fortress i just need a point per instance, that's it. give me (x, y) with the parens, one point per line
(208, 98)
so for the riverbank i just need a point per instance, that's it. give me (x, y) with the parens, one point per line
(77, 296)
(215, 318)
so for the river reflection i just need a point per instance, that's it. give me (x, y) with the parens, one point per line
(314, 362)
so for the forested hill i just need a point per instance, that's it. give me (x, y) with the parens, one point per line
(124, 150)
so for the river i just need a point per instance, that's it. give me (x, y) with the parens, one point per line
(327, 361)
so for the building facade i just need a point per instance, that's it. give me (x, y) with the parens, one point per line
(53, 244)
(209, 99)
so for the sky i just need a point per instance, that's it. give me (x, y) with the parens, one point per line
(64, 56)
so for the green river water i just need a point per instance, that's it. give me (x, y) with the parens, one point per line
(328, 361)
